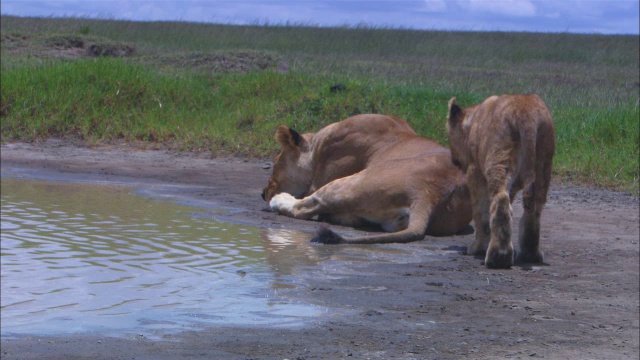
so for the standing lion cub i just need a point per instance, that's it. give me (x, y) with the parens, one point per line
(505, 144)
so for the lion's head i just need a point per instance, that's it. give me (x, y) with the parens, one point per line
(291, 171)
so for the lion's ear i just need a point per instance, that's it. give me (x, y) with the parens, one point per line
(455, 112)
(288, 137)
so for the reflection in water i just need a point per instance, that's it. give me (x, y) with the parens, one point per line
(81, 258)
(288, 253)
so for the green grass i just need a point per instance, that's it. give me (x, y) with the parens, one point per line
(226, 88)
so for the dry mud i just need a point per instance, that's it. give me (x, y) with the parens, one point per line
(427, 302)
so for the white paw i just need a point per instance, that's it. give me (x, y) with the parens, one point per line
(282, 203)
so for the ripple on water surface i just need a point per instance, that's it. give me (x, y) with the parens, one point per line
(79, 258)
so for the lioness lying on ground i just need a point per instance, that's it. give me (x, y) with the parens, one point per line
(504, 144)
(369, 169)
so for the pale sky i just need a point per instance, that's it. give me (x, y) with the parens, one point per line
(574, 16)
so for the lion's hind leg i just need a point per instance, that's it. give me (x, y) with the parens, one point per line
(529, 232)
(534, 198)
(500, 251)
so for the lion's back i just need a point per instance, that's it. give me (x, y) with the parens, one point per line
(508, 122)
(347, 147)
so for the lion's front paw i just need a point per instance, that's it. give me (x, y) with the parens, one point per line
(282, 203)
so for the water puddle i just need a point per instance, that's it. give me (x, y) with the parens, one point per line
(81, 258)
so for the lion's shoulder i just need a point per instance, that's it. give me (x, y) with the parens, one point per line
(365, 125)
(359, 136)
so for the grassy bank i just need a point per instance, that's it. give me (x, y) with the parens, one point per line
(226, 88)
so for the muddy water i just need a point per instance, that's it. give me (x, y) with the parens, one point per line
(85, 258)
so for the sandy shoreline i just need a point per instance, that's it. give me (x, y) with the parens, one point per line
(427, 302)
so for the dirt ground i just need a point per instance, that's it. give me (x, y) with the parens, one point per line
(583, 303)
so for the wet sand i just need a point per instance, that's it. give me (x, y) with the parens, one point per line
(425, 302)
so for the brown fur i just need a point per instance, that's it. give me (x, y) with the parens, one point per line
(505, 144)
(369, 169)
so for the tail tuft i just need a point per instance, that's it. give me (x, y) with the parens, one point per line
(327, 236)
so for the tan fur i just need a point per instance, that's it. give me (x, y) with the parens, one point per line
(369, 169)
(505, 144)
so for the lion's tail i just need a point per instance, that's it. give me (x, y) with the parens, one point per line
(527, 156)
(528, 159)
(328, 236)
(418, 222)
